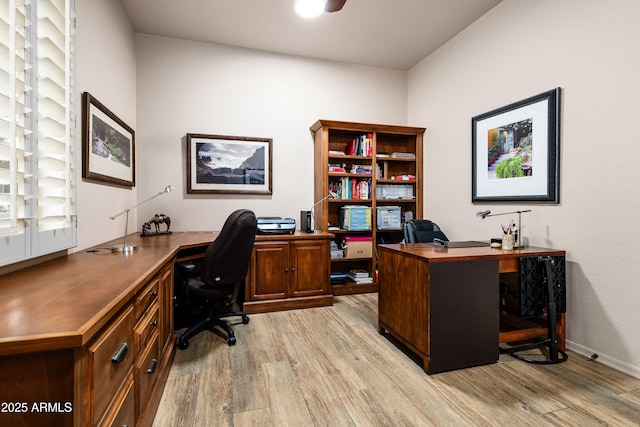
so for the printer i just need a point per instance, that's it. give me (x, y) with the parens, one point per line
(276, 225)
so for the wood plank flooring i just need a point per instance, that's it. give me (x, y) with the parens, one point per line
(329, 366)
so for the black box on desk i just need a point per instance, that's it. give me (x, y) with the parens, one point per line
(306, 222)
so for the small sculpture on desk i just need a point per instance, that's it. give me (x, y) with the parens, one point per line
(156, 221)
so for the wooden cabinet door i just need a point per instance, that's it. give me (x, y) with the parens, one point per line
(269, 271)
(309, 268)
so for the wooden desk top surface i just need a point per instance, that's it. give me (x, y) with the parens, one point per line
(436, 254)
(64, 302)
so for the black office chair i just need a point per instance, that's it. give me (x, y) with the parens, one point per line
(215, 287)
(543, 292)
(422, 231)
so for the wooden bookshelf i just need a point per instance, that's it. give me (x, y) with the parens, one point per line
(393, 155)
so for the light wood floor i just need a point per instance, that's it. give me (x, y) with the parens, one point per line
(330, 367)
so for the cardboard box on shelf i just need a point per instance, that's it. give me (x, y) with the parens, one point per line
(358, 247)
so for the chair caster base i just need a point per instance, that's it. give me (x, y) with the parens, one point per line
(245, 319)
(182, 344)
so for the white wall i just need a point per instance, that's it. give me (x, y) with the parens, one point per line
(191, 87)
(106, 68)
(519, 49)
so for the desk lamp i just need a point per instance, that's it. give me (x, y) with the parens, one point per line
(131, 247)
(331, 195)
(487, 213)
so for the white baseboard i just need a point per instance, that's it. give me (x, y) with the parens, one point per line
(605, 359)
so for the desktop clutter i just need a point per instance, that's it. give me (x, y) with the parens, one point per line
(512, 235)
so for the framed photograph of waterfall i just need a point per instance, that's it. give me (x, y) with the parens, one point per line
(516, 151)
(109, 145)
(228, 164)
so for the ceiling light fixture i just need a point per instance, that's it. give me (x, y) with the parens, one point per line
(310, 8)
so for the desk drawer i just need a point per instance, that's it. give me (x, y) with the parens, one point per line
(110, 359)
(146, 297)
(146, 370)
(146, 326)
(122, 412)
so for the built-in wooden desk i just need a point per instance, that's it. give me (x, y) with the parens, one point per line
(443, 304)
(87, 339)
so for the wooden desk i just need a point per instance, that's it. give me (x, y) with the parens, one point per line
(443, 304)
(64, 320)
(287, 271)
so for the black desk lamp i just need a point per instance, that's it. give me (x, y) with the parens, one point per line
(131, 247)
(487, 213)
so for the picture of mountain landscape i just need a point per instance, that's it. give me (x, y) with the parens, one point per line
(230, 163)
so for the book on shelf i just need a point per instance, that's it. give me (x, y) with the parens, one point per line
(362, 145)
(351, 188)
(360, 276)
(363, 280)
(336, 153)
(352, 147)
(403, 178)
(338, 278)
(361, 169)
(358, 273)
(334, 167)
(403, 155)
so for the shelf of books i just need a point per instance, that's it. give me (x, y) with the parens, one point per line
(368, 177)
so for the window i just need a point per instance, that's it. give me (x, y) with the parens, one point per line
(37, 128)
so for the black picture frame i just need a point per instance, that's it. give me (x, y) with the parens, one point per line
(228, 164)
(109, 145)
(516, 151)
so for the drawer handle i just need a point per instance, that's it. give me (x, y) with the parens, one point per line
(154, 294)
(153, 324)
(152, 366)
(121, 354)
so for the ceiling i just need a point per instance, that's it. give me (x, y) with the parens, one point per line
(386, 33)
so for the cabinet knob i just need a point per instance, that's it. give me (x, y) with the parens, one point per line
(153, 324)
(154, 294)
(286, 270)
(152, 366)
(293, 269)
(121, 354)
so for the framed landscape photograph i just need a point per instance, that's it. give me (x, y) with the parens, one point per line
(108, 148)
(228, 164)
(516, 151)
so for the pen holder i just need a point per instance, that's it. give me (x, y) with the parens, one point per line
(507, 242)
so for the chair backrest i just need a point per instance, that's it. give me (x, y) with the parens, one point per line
(422, 231)
(227, 258)
(535, 275)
